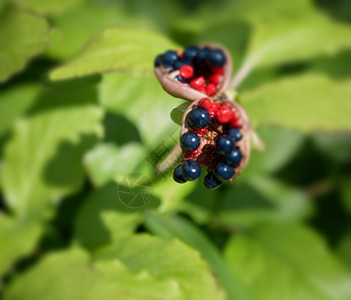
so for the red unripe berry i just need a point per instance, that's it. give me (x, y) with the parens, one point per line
(191, 153)
(218, 70)
(211, 89)
(180, 53)
(224, 114)
(200, 130)
(186, 71)
(211, 107)
(216, 78)
(235, 123)
(198, 83)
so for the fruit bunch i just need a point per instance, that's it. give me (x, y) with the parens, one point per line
(215, 131)
(201, 68)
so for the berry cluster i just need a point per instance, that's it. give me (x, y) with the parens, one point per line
(201, 68)
(211, 137)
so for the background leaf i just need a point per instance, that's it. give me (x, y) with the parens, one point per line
(47, 148)
(287, 261)
(22, 36)
(293, 103)
(116, 49)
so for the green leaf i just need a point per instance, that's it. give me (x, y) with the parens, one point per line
(287, 261)
(18, 239)
(22, 37)
(178, 112)
(70, 275)
(280, 146)
(14, 103)
(169, 226)
(51, 7)
(138, 121)
(283, 40)
(260, 199)
(166, 260)
(107, 160)
(105, 219)
(116, 49)
(42, 160)
(308, 103)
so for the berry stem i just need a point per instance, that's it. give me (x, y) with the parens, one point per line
(170, 160)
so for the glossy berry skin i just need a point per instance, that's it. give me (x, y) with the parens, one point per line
(235, 134)
(190, 52)
(177, 175)
(224, 144)
(179, 78)
(216, 58)
(202, 55)
(170, 57)
(224, 171)
(191, 170)
(189, 141)
(158, 60)
(211, 181)
(199, 118)
(178, 64)
(234, 157)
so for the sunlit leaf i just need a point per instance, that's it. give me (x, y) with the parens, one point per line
(18, 239)
(47, 7)
(308, 103)
(116, 49)
(42, 160)
(287, 262)
(22, 36)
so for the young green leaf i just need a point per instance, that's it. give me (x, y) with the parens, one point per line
(287, 261)
(51, 7)
(22, 36)
(116, 49)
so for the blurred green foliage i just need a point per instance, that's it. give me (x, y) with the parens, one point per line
(83, 214)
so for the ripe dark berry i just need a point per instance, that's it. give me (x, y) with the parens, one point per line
(158, 60)
(202, 55)
(177, 175)
(234, 157)
(178, 64)
(179, 78)
(190, 52)
(199, 118)
(191, 170)
(170, 57)
(216, 58)
(189, 141)
(211, 181)
(224, 144)
(224, 171)
(235, 134)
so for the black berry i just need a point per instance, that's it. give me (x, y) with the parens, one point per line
(216, 58)
(189, 141)
(224, 144)
(199, 118)
(158, 60)
(169, 58)
(191, 170)
(235, 134)
(234, 157)
(177, 174)
(224, 171)
(190, 53)
(211, 182)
